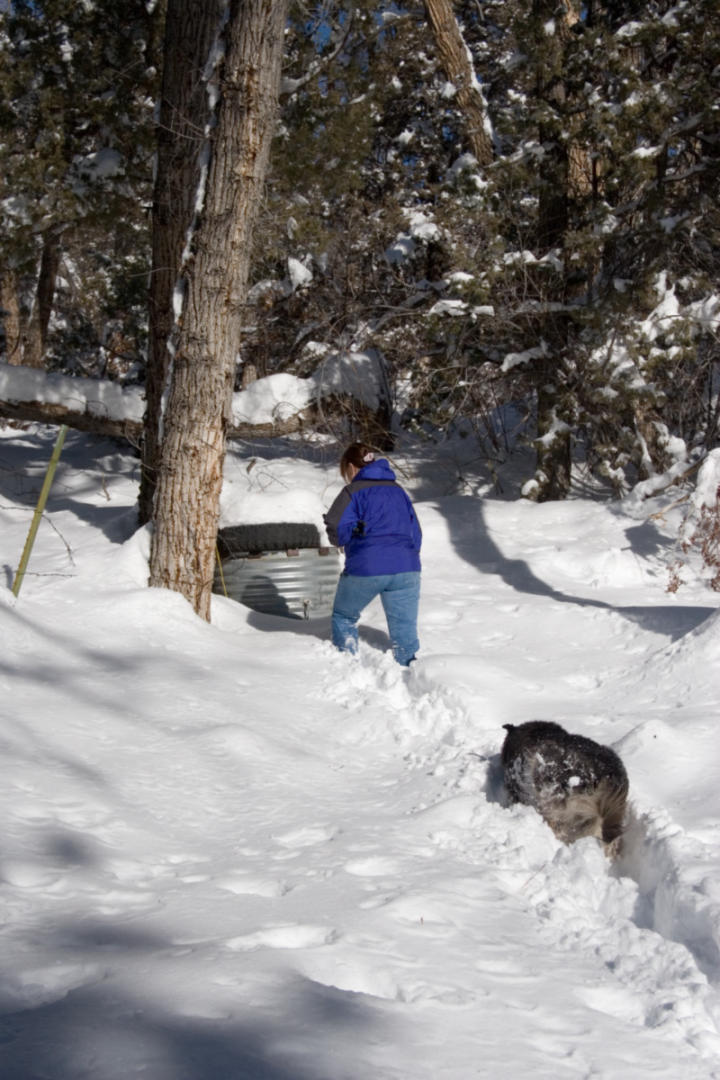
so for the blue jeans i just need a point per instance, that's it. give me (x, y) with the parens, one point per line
(400, 595)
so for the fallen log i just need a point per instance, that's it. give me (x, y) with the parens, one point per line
(278, 405)
(42, 412)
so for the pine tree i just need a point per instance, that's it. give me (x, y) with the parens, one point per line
(595, 266)
(77, 88)
(369, 129)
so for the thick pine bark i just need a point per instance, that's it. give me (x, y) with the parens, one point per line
(458, 67)
(35, 335)
(196, 420)
(10, 304)
(190, 29)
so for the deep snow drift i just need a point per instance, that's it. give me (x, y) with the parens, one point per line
(229, 852)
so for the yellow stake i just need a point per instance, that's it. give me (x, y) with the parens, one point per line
(222, 576)
(39, 510)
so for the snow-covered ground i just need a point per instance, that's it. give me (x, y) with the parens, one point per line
(229, 853)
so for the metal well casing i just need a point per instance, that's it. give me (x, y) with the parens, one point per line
(297, 584)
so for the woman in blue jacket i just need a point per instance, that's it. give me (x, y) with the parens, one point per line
(374, 521)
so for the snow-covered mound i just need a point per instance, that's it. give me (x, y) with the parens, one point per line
(229, 851)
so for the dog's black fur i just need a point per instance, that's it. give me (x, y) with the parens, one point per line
(577, 785)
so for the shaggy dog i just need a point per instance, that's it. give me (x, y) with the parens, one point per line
(577, 785)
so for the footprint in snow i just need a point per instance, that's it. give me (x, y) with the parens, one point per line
(308, 836)
(45, 985)
(252, 885)
(289, 936)
(375, 866)
(381, 972)
(118, 902)
(26, 875)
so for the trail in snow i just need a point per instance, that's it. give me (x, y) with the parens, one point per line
(584, 903)
(229, 851)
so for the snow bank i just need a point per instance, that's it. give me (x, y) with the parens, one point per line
(279, 397)
(274, 398)
(229, 850)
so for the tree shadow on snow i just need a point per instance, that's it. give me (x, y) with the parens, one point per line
(112, 1027)
(84, 676)
(471, 540)
(316, 628)
(98, 460)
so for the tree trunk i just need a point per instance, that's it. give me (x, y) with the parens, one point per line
(553, 466)
(457, 64)
(553, 446)
(187, 500)
(190, 30)
(35, 337)
(10, 304)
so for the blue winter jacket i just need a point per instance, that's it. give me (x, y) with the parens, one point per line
(373, 519)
